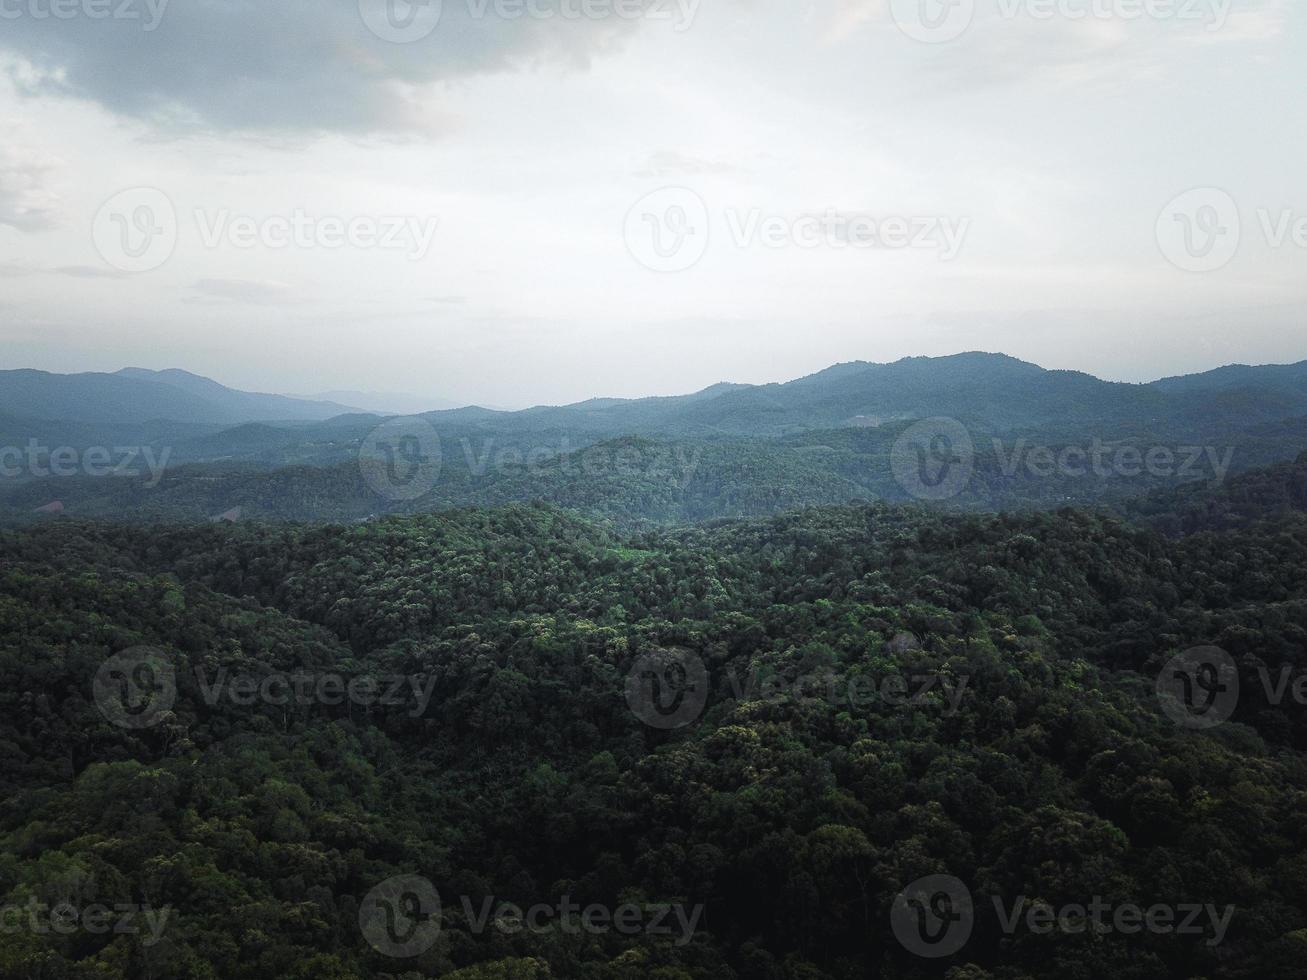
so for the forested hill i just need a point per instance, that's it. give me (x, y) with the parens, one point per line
(1036, 759)
(1259, 495)
(635, 483)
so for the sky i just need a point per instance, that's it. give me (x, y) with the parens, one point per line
(521, 202)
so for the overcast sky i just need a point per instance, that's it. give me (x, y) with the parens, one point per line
(451, 200)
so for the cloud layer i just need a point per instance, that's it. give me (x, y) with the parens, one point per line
(290, 65)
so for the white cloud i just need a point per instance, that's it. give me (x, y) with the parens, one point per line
(244, 290)
(26, 201)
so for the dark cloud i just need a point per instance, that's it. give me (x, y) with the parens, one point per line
(285, 65)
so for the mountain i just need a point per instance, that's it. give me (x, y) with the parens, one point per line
(138, 396)
(243, 405)
(387, 402)
(1289, 378)
(992, 389)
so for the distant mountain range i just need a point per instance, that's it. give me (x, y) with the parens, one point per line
(385, 402)
(825, 438)
(138, 395)
(999, 390)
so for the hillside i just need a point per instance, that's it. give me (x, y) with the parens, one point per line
(781, 816)
(135, 395)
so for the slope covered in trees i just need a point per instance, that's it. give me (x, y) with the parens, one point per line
(1033, 759)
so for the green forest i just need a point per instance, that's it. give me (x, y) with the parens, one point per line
(867, 695)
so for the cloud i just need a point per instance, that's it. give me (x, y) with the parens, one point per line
(288, 66)
(89, 272)
(1068, 43)
(260, 292)
(667, 163)
(26, 203)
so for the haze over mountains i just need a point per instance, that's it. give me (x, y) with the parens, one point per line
(994, 387)
(138, 395)
(735, 450)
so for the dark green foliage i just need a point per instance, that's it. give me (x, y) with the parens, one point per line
(793, 818)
